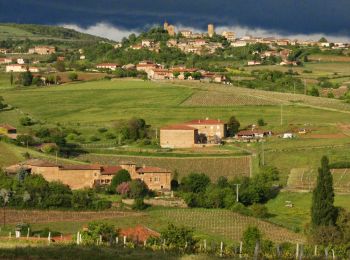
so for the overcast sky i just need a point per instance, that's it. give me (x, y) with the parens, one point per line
(117, 18)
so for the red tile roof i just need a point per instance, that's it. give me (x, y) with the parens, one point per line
(107, 65)
(107, 170)
(8, 127)
(178, 127)
(205, 122)
(80, 167)
(138, 233)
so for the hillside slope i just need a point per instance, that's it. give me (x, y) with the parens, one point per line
(37, 32)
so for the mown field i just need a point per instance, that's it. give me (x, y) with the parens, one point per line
(296, 217)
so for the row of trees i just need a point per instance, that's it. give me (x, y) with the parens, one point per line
(198, 191)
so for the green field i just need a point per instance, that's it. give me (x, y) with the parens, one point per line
(298, 216)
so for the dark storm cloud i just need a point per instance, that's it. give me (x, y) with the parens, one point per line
(284, 16)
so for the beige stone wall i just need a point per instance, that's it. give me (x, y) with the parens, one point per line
(177, 138)
(75, 179)
(157, 181)
(211, 130)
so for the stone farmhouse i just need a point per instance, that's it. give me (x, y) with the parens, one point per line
(107, 66)
(5, 60)
(193, 133)
(89, 176)
(42, 50)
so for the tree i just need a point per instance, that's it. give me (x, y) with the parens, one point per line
(261, 122)
(139, 204)
(314, 92)
(138, 189)
(179, 237)
(98, 230)
(123, 189)
(195, 182)
(2, 104)
(120, 177)
(233, 126)
(26, 78)
(60, 66)
(73, 76)
(251, 236)
(323, 39)
(323, 212)
(26, 121)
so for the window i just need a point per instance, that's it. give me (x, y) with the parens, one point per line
(150, 179)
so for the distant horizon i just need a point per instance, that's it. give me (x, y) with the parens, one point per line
(116, 19)
(114, 33)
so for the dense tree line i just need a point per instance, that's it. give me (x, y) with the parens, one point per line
(198, 190)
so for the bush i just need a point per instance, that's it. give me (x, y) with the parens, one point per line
(139, 204)
(123, 189)
(26, 121)
(94, 138)
(261, 122)
(138, 189)
(73, 76)
(122, 176)
(97, 230)
(251, 236)
(259, 211)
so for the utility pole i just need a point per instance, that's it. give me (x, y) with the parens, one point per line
(237, 191)
(281, 114)
(263, 153)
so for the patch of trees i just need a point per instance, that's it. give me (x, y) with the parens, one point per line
(198, 191)
(274, 81)
(132, 130)
(33, 191)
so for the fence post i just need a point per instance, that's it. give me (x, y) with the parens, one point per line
(315, 251)
(205, 245)
(100, 242)
(78, 238)
(124, 240)
(28, 233)
(10, 234)
(256, 250)
(297, 251)
(278, 251)
(49, 238)
(326, 252)
(145, 243)
(333, 254)
(221, 248)
(116, 240)
(240, 249)
(301, 252)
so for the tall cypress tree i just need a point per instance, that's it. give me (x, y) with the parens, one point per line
(323, 212)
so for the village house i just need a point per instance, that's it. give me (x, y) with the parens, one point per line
(21, 68)
(5, 60)
(8, 130)
(253, 63)
(230, 36)
(192, 133)
(186, 33)
(107, 66)
(21, 61)
(146, 66)
(42, 50)
(3, 51)
(254, 134)
(89, 176)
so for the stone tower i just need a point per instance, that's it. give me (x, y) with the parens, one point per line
(211, 30)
